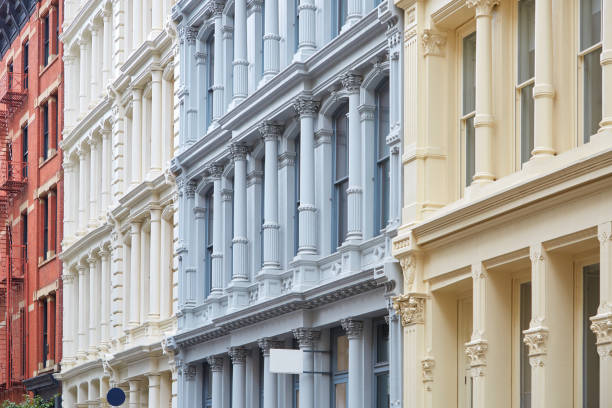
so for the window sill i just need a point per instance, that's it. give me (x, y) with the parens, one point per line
(44, 68)
(50, 257)
(50, 155)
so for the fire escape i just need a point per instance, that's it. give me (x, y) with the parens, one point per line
(13, 253)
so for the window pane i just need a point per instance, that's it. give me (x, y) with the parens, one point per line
(383, 191)
(525, 318)
(341, 143)
(382, 343)
(592, 94)
(470, 151)
(526, 39)
(590, 303)
(382, 118)
(526, 123)
(590, 23)
(342, 353)
(342, 211)
(469, 73)
(340, 399)
(382, 391)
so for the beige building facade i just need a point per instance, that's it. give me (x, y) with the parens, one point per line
(505, 243)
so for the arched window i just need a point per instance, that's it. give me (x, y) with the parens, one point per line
(382, 127)
(209, 239)
(210, 78)
(340, 176)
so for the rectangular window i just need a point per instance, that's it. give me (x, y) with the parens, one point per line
(526, 72)
(26, 63)
(469, 106)
(47, 34)
(45, 114)
(339, 14)
(590, 358)
(296, 212)
(210, 69)
(589, 56)
(340, 367)
(45, 208)
(207, 386)
(10, 74)
(261, 380)
(381, 364)
(296, 26)
(24, 150)
(262, 217)
(383, 181)
(340, 176)
(209, 240)
(45, 340)
(525, 367)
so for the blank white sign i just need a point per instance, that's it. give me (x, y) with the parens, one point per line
(283, 361)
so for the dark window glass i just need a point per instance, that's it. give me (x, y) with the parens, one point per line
(340, 367)
(383, 181)
(45, 206)
(45, 113)
(296, 24)
(210, 69)
(590, 23)
(340, 175)
(207, 386)
(381, 364)
(209, 240)
(469, 73)
(527, 122)
(47, 31)
(525, 318)
(24, 150)
(10, 74)
(592, 93)
(296, 213)
(470, 150)
(590, 358)
(26, 63)
(526, 40)
(45, 346)
(339, 14)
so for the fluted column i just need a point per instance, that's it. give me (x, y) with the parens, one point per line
(106, 170)
(354, 12)
(155, 249)
(69, 211)
(68, 340)
(134, 292)
(241, 64)
(94, 305)
(136, 137)
(352, 83)
(483, 121)
(271, 40)
(307, 338)
(354, 332)
(307, 110)
(83, 190)
(83, 75)
(240, 242)
(238, 356)
(218, 87)
(105, 282)
(107, 49)
(270, 398)
(271, 258)
(156, 124)
(215, 172)
(191, 112)
(154, 387)
(216, 367)
(543, 90)
(94, 79)
(307, 44)
(602, 322)
(94, 187)
(83, 311)
(606, 78)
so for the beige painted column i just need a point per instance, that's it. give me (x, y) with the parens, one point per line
(606, 72)
(70, 84)
(543, 90)
(156, 121)
(483, 121)
(154, 394)
(107, 49)
(154, 265)
(145, 138)
(602, 322)
(134, 294)
(69, 211)
(136, 136)
(106, 170)
(134, 394)
(104, 387)
(69, 298)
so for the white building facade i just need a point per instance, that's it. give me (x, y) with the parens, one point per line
(119, 218)
(289, 175)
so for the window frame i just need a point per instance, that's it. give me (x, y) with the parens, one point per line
(379, 368)
(206, 382)
(208, 241)
(45, 226)
(45, 333)
(523, 85)
(46, 21)
(338, 182)
(381, 200)
(45, 130)
(25, 58)
(336, 377)
(210, 78)
(463, 118)
(24, 150)
(517, 279)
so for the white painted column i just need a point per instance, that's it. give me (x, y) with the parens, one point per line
(70, 85)
(354, 332)
(483, 121)
(154, 390)
(216, 367)
(137, 15)
(68, 339)
(107, 52)
(95, 63)
(241, 64)
(94, 187)
(354, 13)
(270, 381)
(167, 110)
(83, 191)
(145, 138)
(307, 109)
(136, 136)
(218, 64)
(307, 338)
(83, 75)
(270, 133)
(154, 265)
(543, 90)
(134, 394)
(144, 273)
(69, 211)
(190, 99)
(307, 32)
(156, 121)
(104, 387)
(157, 24)
(106, 171)
(135, 231)
(238, 356)
(352, 83)
(106, 298)
(83, 311)
(240, 243)
(215, 172)
(271, 40)
(165, 309)
(602, 322)
(606, 74)
(94, 305)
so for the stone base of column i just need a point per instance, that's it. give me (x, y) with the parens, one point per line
(237, 295)
(306, 273)
(269, 283)
(604, 135)
(304, 52)
(213, 307)
(351, 257)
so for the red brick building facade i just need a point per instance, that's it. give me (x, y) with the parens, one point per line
(31, 100)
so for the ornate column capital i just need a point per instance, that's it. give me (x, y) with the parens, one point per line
(483, 7)
(476, 351)
(215, 363)
(68, 279)
(352, 327)
(536, 339)
(190, 187)
(190, 371)
(216, 8)
(351, 82)
(267, 343)
(238, 354)
(433, 42)
(306, 336)
(270, 130)
(411, 308)
(602, 327)
(215, 171)
(306, 106)
(239, 151)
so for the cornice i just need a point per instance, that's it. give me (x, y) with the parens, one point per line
(80, 22)
(90, 119)
(81, 246)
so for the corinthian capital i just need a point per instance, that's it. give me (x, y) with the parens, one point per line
(238, 151)
(270, 130)
(483, 7)
(215, 170)
(306, 337)
(351, 82)
(305, 106)
(433, 43)
(352, 327)
(238, 355)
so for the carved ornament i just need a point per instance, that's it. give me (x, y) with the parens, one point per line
(411, 308)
